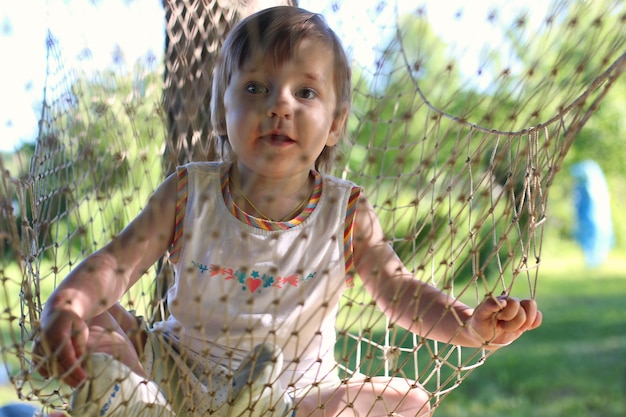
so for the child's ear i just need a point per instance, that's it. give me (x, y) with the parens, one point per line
(338, 126)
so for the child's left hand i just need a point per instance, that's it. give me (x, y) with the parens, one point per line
(499, 321)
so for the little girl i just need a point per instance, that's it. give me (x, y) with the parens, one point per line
(263, 245)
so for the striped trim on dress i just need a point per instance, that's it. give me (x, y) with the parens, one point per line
(348, 251)
(181, 205)
(271, 225)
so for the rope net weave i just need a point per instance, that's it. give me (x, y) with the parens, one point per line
(457, 162)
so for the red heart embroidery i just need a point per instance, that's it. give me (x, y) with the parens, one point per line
(253, 284)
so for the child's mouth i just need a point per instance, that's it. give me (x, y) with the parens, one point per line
(278, 140)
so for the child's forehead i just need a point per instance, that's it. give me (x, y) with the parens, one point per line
(278, 54)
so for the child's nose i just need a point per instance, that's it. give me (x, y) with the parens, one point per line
(280, 106)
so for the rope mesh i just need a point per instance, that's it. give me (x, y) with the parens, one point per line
(457, 162)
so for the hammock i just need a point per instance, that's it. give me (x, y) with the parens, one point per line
(457, 161)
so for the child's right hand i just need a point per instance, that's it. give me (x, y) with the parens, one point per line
(60, 346)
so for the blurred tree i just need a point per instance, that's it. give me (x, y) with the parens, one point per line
(96, 164)
(396, 137)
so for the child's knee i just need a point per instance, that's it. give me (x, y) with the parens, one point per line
(378, 397)
(417, 403)
(106, 335)
(403, 397)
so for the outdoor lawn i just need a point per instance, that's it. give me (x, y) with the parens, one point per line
(574, 365)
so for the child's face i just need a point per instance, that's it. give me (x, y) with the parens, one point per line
(279, 118)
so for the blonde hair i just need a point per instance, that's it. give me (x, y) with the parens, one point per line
(275, 33)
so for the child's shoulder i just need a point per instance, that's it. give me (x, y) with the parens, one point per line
(332, 180)
(202, 166)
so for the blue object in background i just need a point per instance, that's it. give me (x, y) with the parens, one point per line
(17, 410)
(594, 227)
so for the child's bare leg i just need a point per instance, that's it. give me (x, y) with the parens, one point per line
(117, 333)
(378, 397)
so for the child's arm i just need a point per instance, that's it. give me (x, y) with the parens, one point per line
(100, 280)
(424, 309)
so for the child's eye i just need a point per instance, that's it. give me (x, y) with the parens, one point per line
(307, 93)
(256, 88)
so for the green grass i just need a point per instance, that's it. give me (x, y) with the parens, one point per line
(574, 365)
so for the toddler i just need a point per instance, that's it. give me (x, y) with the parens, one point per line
(263, 243)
